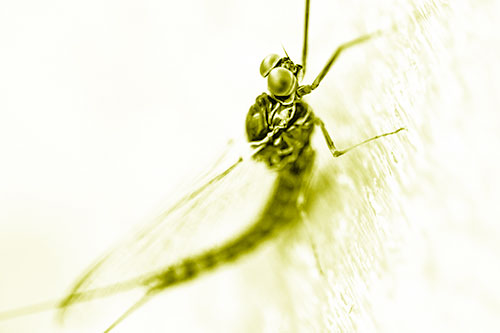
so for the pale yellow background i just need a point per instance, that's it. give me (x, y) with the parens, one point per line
(106, 107)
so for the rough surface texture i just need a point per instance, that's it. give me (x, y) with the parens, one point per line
(106, 106)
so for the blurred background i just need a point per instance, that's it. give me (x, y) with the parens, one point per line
(107, 108)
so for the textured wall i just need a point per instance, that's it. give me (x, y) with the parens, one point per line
(108, 107)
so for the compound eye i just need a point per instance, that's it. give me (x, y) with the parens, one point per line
(268, 63)
(281, 82)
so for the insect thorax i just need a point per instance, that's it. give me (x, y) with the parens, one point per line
(283, 129)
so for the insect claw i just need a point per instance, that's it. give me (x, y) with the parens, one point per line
(337, 153)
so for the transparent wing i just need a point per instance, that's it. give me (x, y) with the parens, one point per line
(217, 210)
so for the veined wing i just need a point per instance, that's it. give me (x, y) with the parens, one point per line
(221, 208)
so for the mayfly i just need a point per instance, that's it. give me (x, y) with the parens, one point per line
(279, 126)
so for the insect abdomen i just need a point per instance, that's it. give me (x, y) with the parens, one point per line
(281, 210)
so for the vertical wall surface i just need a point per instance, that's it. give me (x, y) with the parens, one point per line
(108, 108)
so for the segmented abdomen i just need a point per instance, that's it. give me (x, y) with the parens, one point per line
(282, 209)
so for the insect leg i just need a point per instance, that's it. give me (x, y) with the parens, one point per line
(134, 307)
(339, 50)
(351, 43)
(335, 152)
(308, 88)
(303, 216)
(306, 32)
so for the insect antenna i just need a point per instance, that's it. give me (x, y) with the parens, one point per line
(284, 50)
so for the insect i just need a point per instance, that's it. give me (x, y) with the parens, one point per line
(279, 127)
